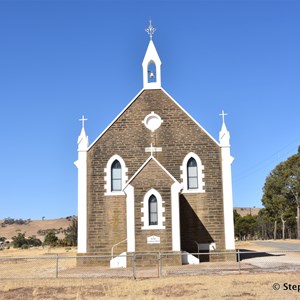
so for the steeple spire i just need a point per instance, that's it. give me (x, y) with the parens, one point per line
(151, 63)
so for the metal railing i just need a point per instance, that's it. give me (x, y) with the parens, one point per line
(154, 264)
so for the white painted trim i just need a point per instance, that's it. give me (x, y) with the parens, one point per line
(227, 160)
(107, 177)
(152, 126)
(130, 221)
(183, 175)
(175, 190)
(82, 202)
(160, 211)
(81, 165)
(151, 57)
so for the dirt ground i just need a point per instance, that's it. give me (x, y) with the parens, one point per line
(247, 285)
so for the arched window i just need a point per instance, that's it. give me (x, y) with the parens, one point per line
(116, 176)
(153, 211)
(192, 174)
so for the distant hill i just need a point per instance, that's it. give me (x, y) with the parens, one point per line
(35, 227)
(244, 211)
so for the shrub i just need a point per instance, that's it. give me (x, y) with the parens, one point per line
(50, 239)
(19, 240)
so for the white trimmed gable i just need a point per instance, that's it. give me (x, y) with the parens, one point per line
(133, 100)
(143, 166)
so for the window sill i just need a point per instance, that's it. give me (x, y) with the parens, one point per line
(195, 191)
(153, 227)
(120, 193)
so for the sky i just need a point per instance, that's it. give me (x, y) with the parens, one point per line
(62, 59)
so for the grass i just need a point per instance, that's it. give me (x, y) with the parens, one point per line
(247, 286)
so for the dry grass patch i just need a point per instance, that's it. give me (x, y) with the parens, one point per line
(38, 251)
(248, 286)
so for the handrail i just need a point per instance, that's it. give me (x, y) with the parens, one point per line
(112, 248)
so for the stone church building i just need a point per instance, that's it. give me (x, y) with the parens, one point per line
(154, 179)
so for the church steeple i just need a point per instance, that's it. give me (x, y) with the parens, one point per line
(151, 64)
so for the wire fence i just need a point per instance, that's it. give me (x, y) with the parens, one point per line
(147, 265)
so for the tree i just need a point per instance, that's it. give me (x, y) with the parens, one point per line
(281, 193)
(293, 184)
(50, 239)
(19, 240)
(245, 227)
(71, 233)
(264, 224)
(33, 241)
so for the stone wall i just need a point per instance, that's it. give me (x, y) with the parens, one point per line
(177, 136)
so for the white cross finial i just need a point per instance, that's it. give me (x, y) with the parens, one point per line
(150, 29)
(82, 120)
(151, 149)
(223, 116)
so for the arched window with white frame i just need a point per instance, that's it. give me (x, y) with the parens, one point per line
(115, 178)
(153, 211)
(192, 174)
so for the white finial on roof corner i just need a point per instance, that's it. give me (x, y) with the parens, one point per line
(82, 120)
(223, 116)
(83, 140)
(150, 29)
(224, 135)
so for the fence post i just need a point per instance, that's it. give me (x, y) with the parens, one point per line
(133, 266)
(239, 259)
(160, 265)
(56, 272)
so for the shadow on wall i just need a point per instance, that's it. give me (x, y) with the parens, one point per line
(192, 229)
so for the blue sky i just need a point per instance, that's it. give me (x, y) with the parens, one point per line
(62, 59)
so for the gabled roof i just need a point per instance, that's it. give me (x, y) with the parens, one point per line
(133, 100)
(151, 157)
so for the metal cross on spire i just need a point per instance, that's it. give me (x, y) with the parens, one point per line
(150, 29)
(82, 120)
(223, 116)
